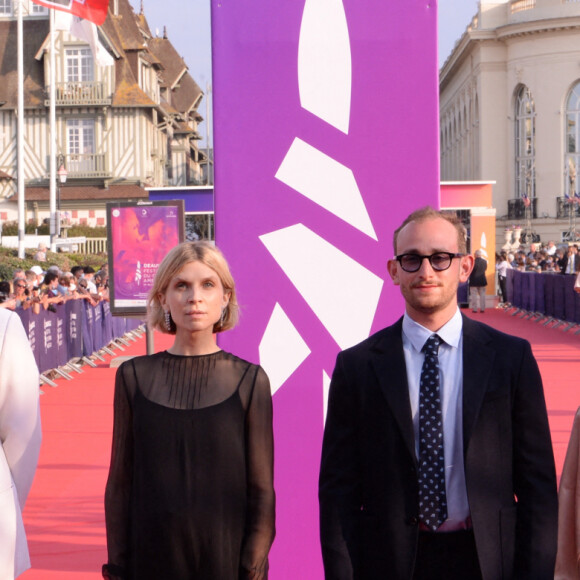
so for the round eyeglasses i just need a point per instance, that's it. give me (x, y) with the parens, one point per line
(439, 261)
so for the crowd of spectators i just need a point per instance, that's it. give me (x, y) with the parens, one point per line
(37, 288)
(538, 258)
(545, 259)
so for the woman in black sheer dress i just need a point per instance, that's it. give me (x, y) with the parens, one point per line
(190, 490)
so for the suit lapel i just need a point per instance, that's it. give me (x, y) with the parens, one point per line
(388, 362)
(478, 360)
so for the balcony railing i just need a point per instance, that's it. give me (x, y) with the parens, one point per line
(517, 209)
(79, 94)
(519, 5)
(564, 209)
(86, 166)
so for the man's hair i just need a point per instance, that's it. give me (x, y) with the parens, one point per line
(428, 213)
(49, 277)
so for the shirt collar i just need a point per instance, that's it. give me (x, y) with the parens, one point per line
(450, 332)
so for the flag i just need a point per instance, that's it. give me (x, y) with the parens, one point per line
(526, 200)
(87, 31)
(93, 10)
(567, 197)
(576, 197)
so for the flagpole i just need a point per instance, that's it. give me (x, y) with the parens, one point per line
(52, 133)
(20, 132)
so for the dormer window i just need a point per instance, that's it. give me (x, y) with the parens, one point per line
(79, 65)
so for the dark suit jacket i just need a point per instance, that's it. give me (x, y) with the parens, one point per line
(564, 263)
(368, 481)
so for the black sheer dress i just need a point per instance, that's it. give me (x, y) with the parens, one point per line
(190, 490)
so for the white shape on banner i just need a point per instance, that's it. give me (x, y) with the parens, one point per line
(328, 280)
(325, 392)
(324, 62)
(327, 183)
(282, 349)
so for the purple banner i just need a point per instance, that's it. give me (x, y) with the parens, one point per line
(326, 137)
(74, 320)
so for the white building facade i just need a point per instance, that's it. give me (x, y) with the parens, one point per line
(510, 112)
(121, 127)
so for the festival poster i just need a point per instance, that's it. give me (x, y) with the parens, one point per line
(140, 235)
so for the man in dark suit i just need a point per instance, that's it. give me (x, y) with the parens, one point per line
(571, 261)
(437, 464)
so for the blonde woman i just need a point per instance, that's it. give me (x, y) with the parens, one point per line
(190, 491)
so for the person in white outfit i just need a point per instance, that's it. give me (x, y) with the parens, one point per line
(20, 437)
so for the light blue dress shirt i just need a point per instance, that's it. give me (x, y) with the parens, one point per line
(451, 381)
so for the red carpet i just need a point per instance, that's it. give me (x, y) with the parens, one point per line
(64, 513)
(64, 516)
(558, 355)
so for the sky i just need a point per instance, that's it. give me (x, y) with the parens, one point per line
(188, 24)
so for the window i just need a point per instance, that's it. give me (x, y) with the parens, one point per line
(5, 7)
(572, 142)
(38, 9)
(81, 145)
(525, 146)
(79, 65)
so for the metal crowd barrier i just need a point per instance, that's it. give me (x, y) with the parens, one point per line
(76, 333)
(547, 299)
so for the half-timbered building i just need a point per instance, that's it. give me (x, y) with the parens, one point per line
(120, 127)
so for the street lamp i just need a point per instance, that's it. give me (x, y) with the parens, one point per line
(62, 175)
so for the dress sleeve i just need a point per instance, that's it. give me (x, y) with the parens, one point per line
(119, 483)
(260, 520)
(20, 433)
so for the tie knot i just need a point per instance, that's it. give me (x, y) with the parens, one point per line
(432, 344)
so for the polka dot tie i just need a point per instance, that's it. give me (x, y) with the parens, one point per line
(432, 499)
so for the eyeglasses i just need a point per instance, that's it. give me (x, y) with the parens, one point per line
(20, 285)
(439, 261)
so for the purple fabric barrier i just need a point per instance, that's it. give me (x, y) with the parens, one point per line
(463, 293)
(60, 334)
(509, 284)
(549, 293)
(87, 326)
(76, 329)
(517, 289)
(31, 324)
(97, 330)
(559, 297)
(577, 308)
(74, 339)
(48, 343)
(569, 298)
(527, 284)
(540, 291)
(108, 335)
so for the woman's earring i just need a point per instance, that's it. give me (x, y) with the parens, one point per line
(168, 320)
(221, 321)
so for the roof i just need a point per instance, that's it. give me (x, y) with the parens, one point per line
(186, 95)
(35, 31)
(174, 65)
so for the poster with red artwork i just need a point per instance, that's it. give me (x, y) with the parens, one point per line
(140, 235)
